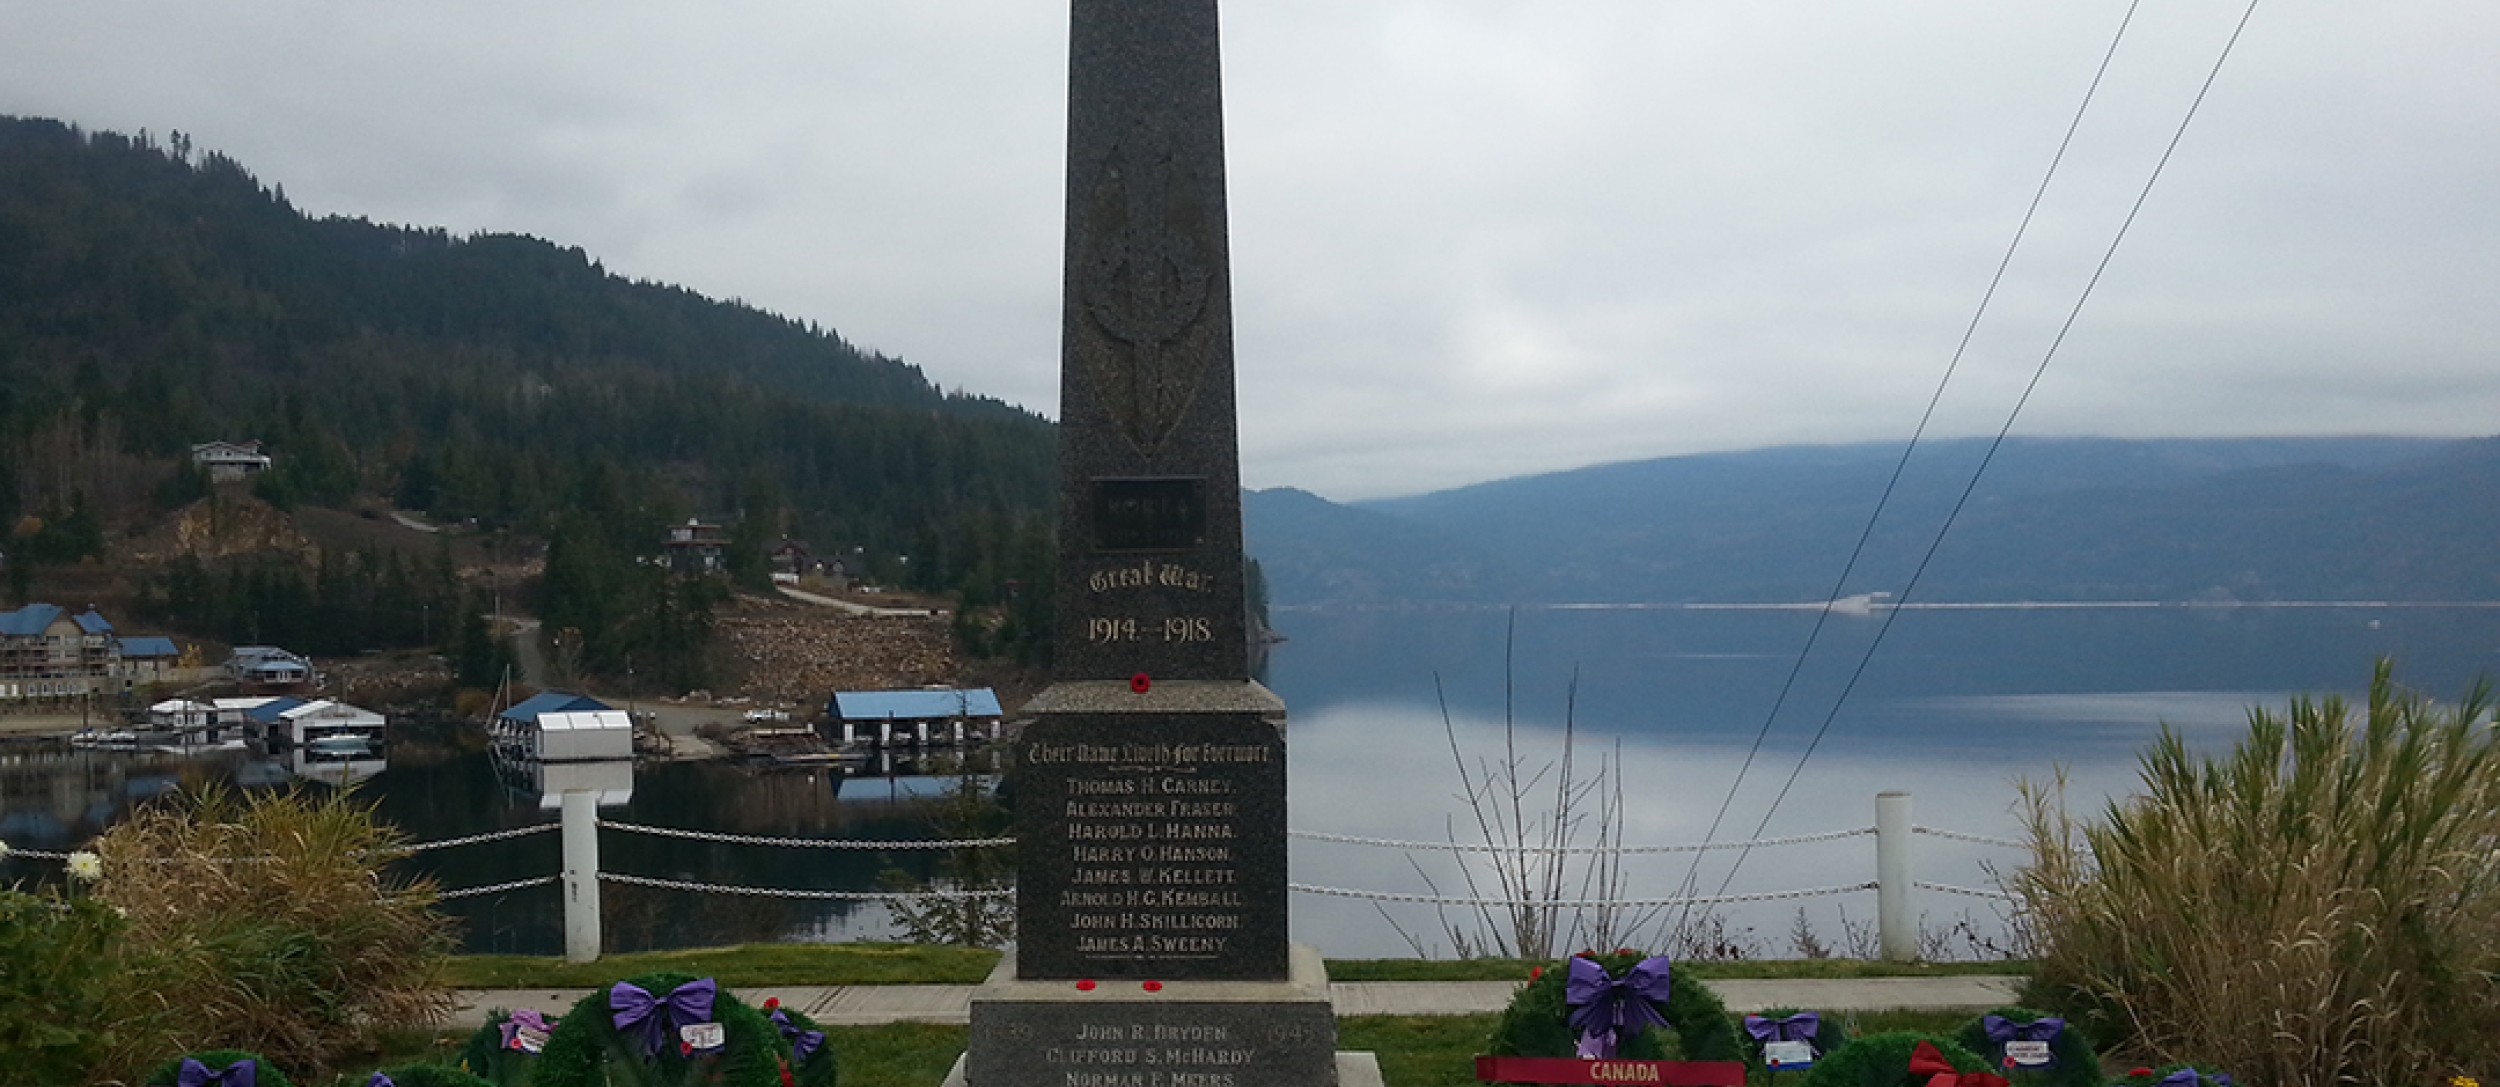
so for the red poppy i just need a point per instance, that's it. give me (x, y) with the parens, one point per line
(771, 1002)
(2139, 1071)
(1152, 986)
(2009, 1062)
(1141, 683)
(685, 1049)
(1535, 972)
(1085, 986)
(1623, 951)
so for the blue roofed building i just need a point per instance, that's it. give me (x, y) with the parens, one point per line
(48, 653)
(931, 715)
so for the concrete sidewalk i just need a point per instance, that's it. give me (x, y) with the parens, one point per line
(870, 1005)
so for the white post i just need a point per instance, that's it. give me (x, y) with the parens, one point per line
(581, 876)
(1895, 927)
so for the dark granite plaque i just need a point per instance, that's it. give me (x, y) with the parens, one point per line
(1148, 455)
(1150, 514)
(1150, 846)
(1178, 1034)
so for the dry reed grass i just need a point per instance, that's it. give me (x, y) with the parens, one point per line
(263, 922)
(2321, 906)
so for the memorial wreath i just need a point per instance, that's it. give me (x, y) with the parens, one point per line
(662, 1030)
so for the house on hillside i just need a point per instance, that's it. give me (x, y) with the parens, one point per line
(696, 548)
(791, 560)
(267, 669)
(229, 461)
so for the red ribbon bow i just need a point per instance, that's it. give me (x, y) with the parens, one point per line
(1925, 1060)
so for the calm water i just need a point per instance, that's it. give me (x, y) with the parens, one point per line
(1955, 706)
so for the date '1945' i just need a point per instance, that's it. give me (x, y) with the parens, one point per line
(1179, 629)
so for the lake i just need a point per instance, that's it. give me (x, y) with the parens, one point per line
(1955, 706)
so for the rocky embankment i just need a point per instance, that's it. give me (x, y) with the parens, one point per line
(798, 653)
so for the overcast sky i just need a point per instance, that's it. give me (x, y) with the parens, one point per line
(1472, 238)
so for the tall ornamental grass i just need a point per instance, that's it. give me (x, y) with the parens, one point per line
(2321, 906)
(263, 922)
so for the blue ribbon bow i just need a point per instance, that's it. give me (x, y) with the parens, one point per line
(1605, 1009)
(686, 1005)
(2002, 1030)
(380, 1080)
(803, 1043)
(1801, 1027)
(2187, 1077)
(242, 1073)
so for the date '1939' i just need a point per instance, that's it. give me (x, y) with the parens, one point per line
(1179, 629)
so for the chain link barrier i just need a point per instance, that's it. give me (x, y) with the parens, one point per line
(803, 843)
(38, 854)
(1571, 904)
(789, 892)
(414, 848)
(1974, 892)
(1560, 850)
(494, 888)
(1982, 839)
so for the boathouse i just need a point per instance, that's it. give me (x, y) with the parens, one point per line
(934, 715)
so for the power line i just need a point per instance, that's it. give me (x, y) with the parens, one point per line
(1892, 484)
(1999, 441)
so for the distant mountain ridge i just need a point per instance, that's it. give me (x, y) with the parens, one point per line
(2052, 519)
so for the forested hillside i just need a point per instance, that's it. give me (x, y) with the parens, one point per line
(153, 296)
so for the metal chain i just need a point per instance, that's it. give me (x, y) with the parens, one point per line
(489, 836)
(1971, 891)
(38, 854)
(785, 892)
(494, 888)
(1471, 847)
(1979, 838)
(1641, 903)
(806, 843)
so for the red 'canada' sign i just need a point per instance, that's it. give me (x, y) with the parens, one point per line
(1610, 1072)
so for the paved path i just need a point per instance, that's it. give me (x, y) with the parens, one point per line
(869, 1005)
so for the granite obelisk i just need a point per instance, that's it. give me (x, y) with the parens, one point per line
(1149, 782)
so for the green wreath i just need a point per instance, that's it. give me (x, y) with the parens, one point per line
(1537, 1022)
(2077, 1065)
(426, 1075)
(218, 1060)
(1830, 1034)
(1883, 1060)
(588, 1051)
(818, 1069)
(486, 1057)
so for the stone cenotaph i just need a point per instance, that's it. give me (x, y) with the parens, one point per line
(1149, 784)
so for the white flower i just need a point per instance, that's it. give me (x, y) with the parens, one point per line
(4, 850)
(85, 865)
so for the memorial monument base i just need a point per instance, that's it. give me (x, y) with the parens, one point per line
(1028, 1033)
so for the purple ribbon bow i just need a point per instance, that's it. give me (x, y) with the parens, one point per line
(525, 1017)
(380, 1080)
(242, 1073)
(1801, 1027)
(686, 1005)
(803, 1043)
(2187, 1077)
(1605, 1009)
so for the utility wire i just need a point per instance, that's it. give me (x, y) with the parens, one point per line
(1993, 446)
(1823, 615)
